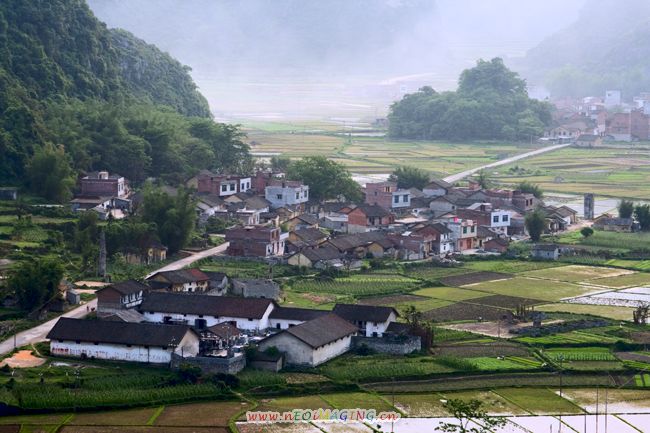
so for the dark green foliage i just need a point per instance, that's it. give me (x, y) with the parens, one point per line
(280, 163)
(36, 282)
(586, 231)
(105, 98)
(409, 177)
(86, 239)
(326, 179)
(483, 179)
(173, 217)
(625, 208)
(188, 373)
(467, 412)
(491, 103)
(535, 223)
(530, 188)
(49, 174)
(642, 215)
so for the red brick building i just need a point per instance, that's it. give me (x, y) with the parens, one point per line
(222, 185)
(101, 184)
(255, 241)
(368, 217)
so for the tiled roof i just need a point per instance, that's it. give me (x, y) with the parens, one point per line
(252, 308)
(367, 313)
(322, 330)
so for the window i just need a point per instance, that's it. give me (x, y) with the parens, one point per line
(396, 199)
(495, 219)
(464, 230)
(224, 188)
(278, 326)
(128, 345)
(96, 343)
(278, 196)
(78, 342)
(232, 186)
(250, 320)
(505, 218)
(297, 195)
(405, 198)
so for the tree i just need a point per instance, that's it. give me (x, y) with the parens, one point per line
(36, 282)
(535, 223)
(280, 163)
(174, 217)
(326, 179)
(50, 175)
(530, 188)
(586, 231)
(642, 215)
(625, 208)
(409, 177)
(471, 417)
(483, 179)
(86, 236)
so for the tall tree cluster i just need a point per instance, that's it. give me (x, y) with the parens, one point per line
(491, 103)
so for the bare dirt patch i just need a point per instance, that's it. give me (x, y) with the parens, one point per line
(477, 350)
(22, 359)
(473, 278)
(492, 329)
(464, 311)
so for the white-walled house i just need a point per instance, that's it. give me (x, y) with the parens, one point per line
(121, 341)
(286, 317)
(436, 188)
(371, 320)
(286, 193)
(314, 342)
(201, 311)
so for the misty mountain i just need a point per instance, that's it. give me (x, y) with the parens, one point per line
(607, 47)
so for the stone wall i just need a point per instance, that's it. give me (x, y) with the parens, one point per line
(399, 345)
(209, 364)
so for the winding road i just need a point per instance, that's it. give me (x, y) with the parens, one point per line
(38, 333)
(463, 174)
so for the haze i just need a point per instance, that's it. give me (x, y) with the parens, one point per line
(335, 58)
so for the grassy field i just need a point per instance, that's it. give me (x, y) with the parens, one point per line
(608, 240)
(378, 367)
(616, 313)
(533, 287)
(353, 400)
(358, 285)
(619, 170)
(624, 281)
(538, 401)
(575, 273)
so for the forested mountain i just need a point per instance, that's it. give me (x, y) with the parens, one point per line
(491, 103)
(606, 48)
(73, 93)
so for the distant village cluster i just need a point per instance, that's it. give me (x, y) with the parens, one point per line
(591, 120)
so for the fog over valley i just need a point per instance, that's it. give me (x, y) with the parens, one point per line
(293, 58)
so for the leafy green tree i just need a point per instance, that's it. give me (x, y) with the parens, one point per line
(50, 175)
(280, 163)
(409, 177)
(86, 237)
(531, 188)
(625, 208)
(642, 215)
(326, 179)
(174, 217)
(226, 142)
(483, 179)
(35, 282)
(470, 418)
(535, 224)
(586, 231)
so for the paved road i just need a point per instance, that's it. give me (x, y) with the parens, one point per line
(38, 333)
(456, 177)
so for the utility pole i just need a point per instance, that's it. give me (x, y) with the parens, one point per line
(102, 255)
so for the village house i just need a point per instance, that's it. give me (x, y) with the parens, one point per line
(218, 284)
(609, 224)
(8, 193)
(102, 184)
(496, 245)
(219, 337)
(367, 217)
(484, 214)
(182, 280)
(120, 296)
(588, 140)
(362, 245)
(201, 311)
(631, 126)
(208, 205)
(302, 221)
(443, 243)
(387, 195)
(442, 205)
(255, 241)
(464, 232)
(282, 193)
(323, 257)
(437, 188)
(120, 341)
(255, 288)
(154, 252)
(308, 237)
(104, 206)
(546, 252)
(523, 202)
(286, 317)
(314, 342)
(371, 320)
(222, 185)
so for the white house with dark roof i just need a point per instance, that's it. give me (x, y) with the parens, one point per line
(201, 311)
(286, 317)
(371, 320)
(314, 342)
(120, 341)
(120, 296)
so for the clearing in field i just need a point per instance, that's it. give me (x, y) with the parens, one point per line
(630, 279)
(576, 273)
(474, 350)
(119, 417)
(473, 278)
(462, 311)
(510, 266)
(419, 405)
(352, 400)
(607, 311)
(450, 293)
(538, 401)
(502, 301)
(618, 400)
(535, 288)
(493, 403)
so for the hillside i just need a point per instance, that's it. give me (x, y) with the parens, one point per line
(103, 98)
(606, 48)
